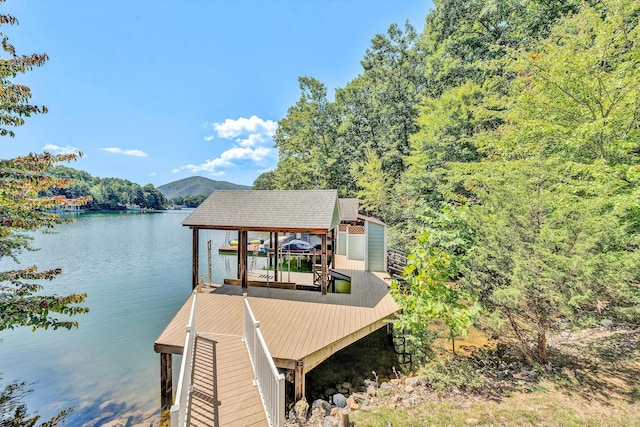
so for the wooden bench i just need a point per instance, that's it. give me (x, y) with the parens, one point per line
(261, 284)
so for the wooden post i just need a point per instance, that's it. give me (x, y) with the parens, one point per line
(166, 387)
(323, 260)
(390, 333)
(242, 253)
(299, 380)
(195, 254)
(269, 260)
(275, 254)
(333, 248)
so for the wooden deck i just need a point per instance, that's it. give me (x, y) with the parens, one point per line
(297, 326)
(241, 405)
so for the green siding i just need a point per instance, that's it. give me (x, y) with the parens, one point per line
(356, 247)
(376, 251)
(342, 243)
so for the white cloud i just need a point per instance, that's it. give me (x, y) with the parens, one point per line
(252, 140)
(133, 153)
(233, 128)
(56, 149)
(251, 145)
(175, 170)
(153, 174)
(227, 159)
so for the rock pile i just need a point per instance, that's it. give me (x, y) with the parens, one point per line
(404, 392)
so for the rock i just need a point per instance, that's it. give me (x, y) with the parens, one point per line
(330, 391)
(606, 322)
(321, 404)
(301, 407)
(359, 397)
(413, 382)
(331, 422)
(368, 383)
(408, 389)
(343, 390)
(352, 404)
(472, 421)
(339, 400)
(371, 391)
(347, 385)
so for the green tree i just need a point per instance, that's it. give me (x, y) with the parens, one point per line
(466, 40)
(22, 209)
(551, 249)
(576, 95)
(373, 187)
(430, 293)
(378, 108)
(306, 142)
(265, 181)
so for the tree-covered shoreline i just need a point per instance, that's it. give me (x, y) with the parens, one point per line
(111, 194)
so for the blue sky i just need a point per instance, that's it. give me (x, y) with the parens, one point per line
(156, 91)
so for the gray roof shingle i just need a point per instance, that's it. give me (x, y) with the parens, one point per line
(291, 210)
(349, 209)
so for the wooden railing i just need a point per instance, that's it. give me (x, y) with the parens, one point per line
(269, 381)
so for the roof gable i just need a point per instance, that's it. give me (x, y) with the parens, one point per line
(349, 209)
(292, 210)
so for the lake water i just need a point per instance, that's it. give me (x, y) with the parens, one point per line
(136, 270)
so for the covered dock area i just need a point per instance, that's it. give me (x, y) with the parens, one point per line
(301, 328)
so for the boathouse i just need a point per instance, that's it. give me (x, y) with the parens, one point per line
(244, 335)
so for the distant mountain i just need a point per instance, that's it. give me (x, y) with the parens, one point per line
(197, 186)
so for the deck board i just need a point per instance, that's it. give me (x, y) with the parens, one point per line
(240, 399)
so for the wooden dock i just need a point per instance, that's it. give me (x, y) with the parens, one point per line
(241, 404)
(301, 329)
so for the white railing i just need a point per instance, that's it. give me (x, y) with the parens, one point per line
(269, 381)
(181, 406)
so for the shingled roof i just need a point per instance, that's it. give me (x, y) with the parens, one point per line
(266, 210)
(349, 209)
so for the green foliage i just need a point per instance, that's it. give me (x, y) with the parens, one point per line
(429, 294)
(549, 247)
(444, 375)
(266, 181)
(23, 208)
(502, 146)
(373, 188)
(189, 201)
(550, 209)
(307, 144)
(318, 141)
(107, 193)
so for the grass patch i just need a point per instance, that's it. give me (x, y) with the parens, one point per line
(551, 408)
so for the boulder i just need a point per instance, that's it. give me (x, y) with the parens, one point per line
(302, 408)
(321, 404)
(339, 400)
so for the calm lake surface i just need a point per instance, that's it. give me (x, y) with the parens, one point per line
(136, 270)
